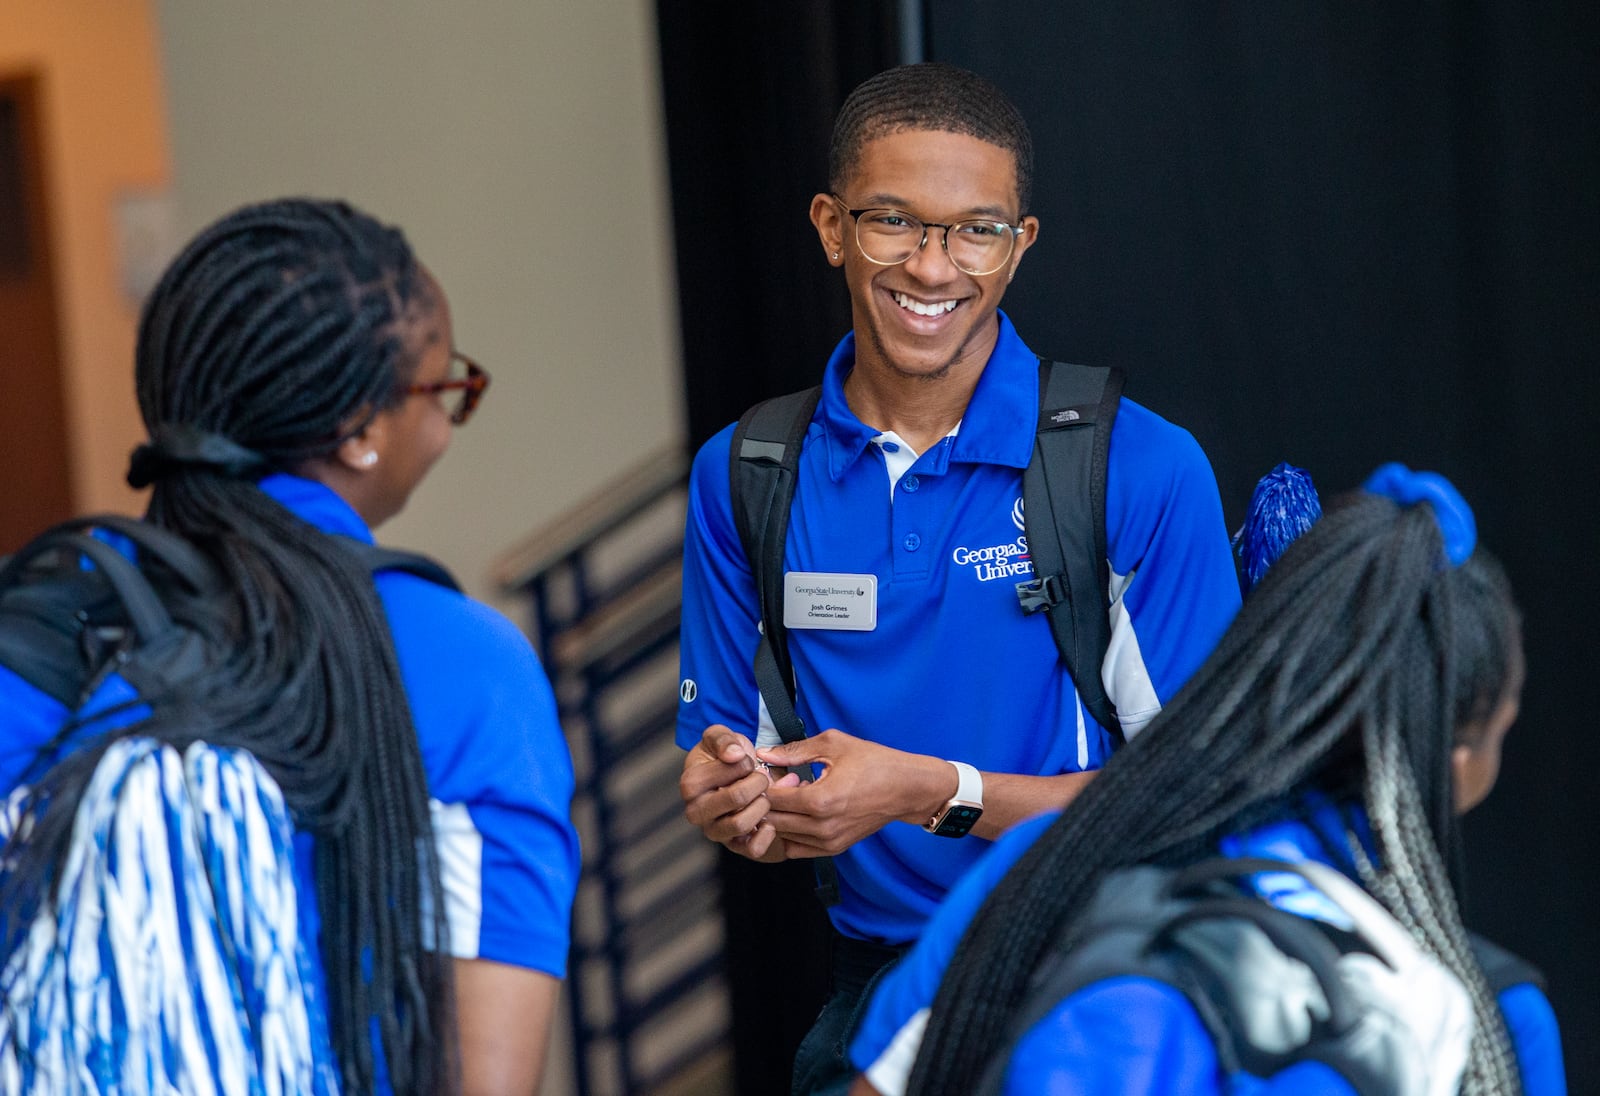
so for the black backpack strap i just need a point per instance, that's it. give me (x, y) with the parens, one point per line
(44, 641)
(153, 543)
(764, 462)
(1503, 969)
(1064, 503)
(63, 625)
(381, 558)
(177, 555)
(763, 465)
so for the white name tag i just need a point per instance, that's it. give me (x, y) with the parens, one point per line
(818, 599)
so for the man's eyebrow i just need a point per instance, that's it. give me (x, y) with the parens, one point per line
(895, 201)
(876, 201)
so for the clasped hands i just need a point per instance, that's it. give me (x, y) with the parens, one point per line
(731, 790)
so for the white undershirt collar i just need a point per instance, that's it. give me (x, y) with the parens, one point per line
(898, 457)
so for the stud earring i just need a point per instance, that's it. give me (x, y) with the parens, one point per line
(835, 256)
(369, 459)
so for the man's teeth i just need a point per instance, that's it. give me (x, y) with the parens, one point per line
(921, 309)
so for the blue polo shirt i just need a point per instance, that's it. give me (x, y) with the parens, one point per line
(953, 668)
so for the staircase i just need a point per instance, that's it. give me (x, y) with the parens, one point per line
(646, 989)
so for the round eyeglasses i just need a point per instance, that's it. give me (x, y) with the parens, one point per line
(471, 386)
(888, 237)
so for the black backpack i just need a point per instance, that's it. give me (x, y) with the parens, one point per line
(1267, 984)
(65, 627)
(1065, 479)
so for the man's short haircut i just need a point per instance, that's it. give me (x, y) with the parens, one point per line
(930, 95)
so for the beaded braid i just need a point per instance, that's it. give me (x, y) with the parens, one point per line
(281, 329)
(1350, 669)
(929, 95)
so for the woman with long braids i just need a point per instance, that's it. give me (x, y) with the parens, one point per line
(1352, 711)
(297, 374)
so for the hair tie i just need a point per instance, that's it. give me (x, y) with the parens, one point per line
(1450, 510)
(178, 446)
(1282, 507)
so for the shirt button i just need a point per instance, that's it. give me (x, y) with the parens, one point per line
(910, 483)
(912, 542)
(890, 447)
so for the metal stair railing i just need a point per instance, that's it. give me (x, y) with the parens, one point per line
(646, 990)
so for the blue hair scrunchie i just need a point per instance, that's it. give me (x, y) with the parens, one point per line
(1450, 510)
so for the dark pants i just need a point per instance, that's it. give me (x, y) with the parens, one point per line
(822, 1064)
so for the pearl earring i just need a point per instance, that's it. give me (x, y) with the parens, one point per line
(369, 459)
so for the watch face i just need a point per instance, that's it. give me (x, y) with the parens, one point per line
(958, 820)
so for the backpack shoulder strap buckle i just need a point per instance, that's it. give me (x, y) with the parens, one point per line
(1038, 594)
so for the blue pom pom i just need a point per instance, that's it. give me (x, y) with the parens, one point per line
(1283, 505)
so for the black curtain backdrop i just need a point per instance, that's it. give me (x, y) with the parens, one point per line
(749, 92)
(1338, 235)
(1323, 233)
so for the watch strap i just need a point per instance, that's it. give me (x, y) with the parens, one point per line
(969, 786)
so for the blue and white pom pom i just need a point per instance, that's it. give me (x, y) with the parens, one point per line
(1283, 506)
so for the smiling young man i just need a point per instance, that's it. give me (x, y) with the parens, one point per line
(930, 687)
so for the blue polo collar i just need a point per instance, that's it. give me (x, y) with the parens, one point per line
(316, 504)
(997, 428)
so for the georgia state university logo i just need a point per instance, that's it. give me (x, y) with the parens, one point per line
(1007, 560)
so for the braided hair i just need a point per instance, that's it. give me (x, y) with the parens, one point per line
(1352, 669)
(276, 334)
(929, 95)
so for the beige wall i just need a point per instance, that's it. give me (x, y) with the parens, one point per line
(519, 144)
(104, 130)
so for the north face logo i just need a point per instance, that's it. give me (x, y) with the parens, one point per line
(1069, 415)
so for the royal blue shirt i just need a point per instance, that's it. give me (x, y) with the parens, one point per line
(1135, 1036)
(953, 667)
(499, 772)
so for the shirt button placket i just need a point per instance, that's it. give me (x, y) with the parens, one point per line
(913, 511)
